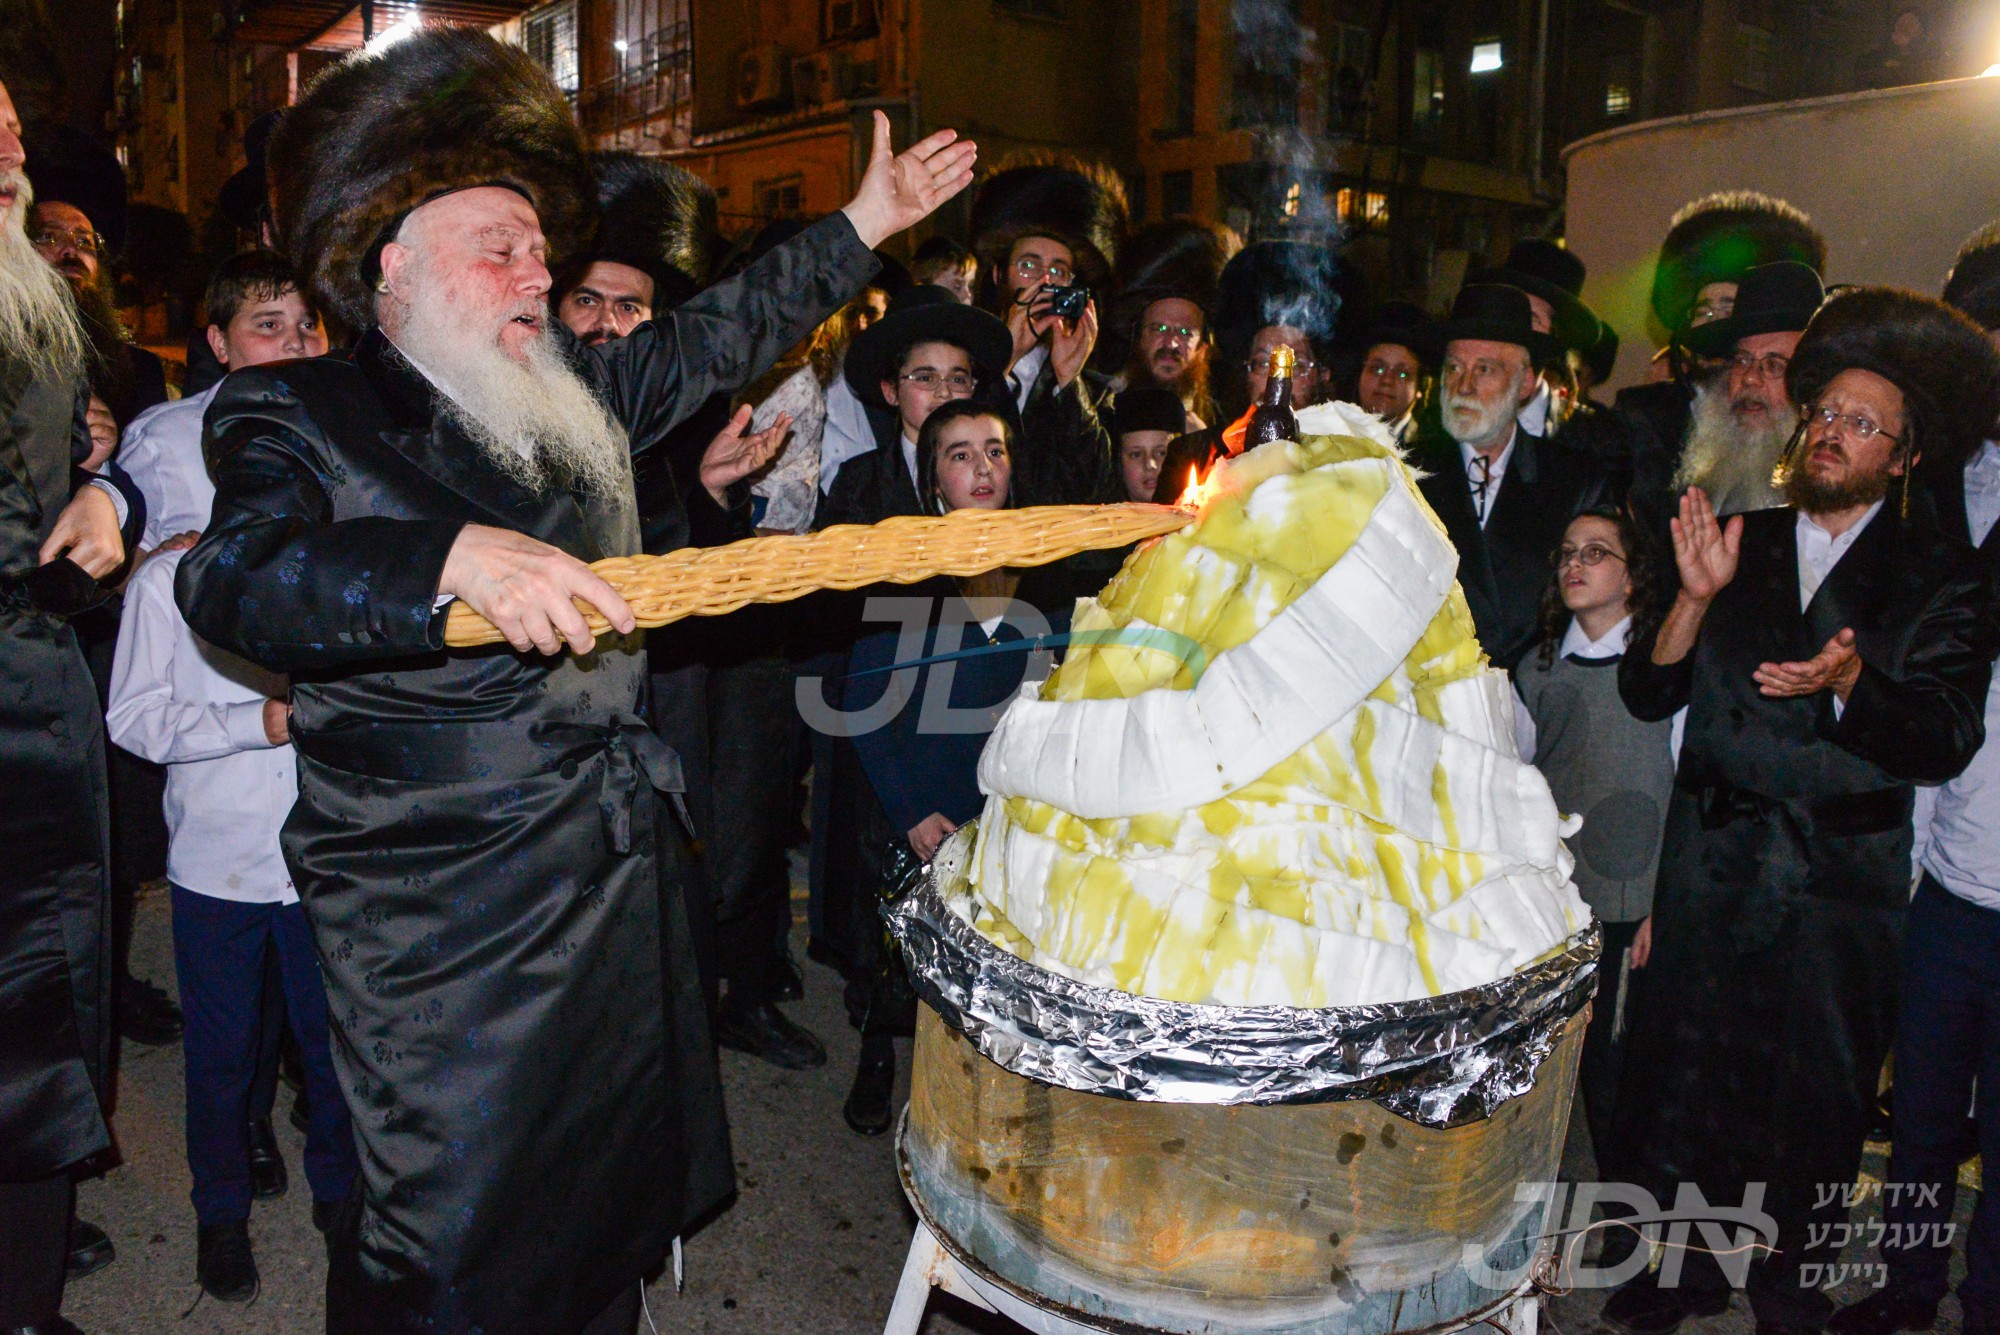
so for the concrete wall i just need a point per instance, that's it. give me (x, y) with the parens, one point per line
(1894, 179)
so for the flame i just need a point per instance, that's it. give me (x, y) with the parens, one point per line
(1199, 490)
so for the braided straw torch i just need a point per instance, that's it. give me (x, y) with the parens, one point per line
(708, 581)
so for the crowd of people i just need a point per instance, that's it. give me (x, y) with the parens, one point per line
(1748, 606)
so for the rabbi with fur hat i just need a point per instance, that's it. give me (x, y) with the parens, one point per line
(1051, 221)
(1950, 947)
(1830, 655)
(477, 837)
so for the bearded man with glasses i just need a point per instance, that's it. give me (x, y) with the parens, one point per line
(1830, 655)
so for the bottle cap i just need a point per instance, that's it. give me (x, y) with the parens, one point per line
(1282, 359)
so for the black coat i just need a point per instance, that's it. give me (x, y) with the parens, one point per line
(1504, 567)
(1770, 999)
(475, 839)
(55, 924)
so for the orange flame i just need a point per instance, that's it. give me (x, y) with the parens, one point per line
(1199, 490)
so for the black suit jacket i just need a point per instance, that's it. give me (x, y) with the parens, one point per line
(1504, 567)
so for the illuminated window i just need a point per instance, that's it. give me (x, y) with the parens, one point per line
(1617, 100)
(550, 37)
(1368, 210)
(1485, 57)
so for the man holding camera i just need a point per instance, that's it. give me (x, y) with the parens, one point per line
(1047, 232)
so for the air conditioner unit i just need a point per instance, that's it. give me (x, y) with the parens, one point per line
(822, 78)
(761, 78)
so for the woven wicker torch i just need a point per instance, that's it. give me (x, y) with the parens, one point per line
(708, 581)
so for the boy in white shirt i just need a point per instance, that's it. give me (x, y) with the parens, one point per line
(219, 725)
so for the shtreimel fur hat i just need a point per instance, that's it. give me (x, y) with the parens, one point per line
(1719, 238)
(659, 218)
(1944, 364)
(383, 132)
(1081, 204)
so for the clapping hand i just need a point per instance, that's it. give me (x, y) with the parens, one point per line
(738, 452)
(1834, 668)
(900, 190)
(1704, 551)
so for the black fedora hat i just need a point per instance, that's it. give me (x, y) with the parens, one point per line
(245, 196)
(1546, 270)
(1775, 298)
(1499, 313)
(925, 313)
(1407, 325)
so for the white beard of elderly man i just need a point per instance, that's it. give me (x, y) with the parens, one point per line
(492, 884)
(58, 530)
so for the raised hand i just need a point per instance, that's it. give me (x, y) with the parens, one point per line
(1704, 551)
(900, 190)
(527, 589)
(734, 455)
(1836, 668)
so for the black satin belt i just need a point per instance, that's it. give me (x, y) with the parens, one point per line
(447, 752)
(1874, 812)
(1781, 850)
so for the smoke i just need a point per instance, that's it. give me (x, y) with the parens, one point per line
(1273, 46)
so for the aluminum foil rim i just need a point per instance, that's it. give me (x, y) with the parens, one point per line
(1440, 1061)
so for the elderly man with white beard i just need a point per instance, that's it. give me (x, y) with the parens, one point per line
(58, 530)
(1741, 424)
(1505, 494)
(477, 841)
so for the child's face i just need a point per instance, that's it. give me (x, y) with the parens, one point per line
(1140, 454)
(274, 329)
(1588, 587)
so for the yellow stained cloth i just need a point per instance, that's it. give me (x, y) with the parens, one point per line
(1402, 851)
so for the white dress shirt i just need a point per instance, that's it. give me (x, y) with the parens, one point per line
(200, 712)
(1958, 825)
(1026, 371)
(1496, 468)
(1534, 415)
(846, 435)
(161, 453)
(1820, 552)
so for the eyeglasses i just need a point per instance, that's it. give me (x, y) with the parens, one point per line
(1030, 268)
(1384, 371)
(1180, 331)
(957, 384)
(1862, 428)
(55, 238)
(1591, 554)
(1711, 310)
(1770, 366)
(1300, 365)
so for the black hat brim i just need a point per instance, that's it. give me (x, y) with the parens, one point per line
(872, 356)
(1575, 324)
(1542, 348)
(1718, 338)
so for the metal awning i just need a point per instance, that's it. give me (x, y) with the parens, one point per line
(337, 25)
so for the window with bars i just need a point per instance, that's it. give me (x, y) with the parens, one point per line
(549, 34)
(1751, 63)
(1347, 46)
(781, 197)
(648, 100)
(1265, 74)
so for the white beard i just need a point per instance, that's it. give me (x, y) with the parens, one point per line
(537, 420)
(38, 318)
(1490, 423)
(1728, 460)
